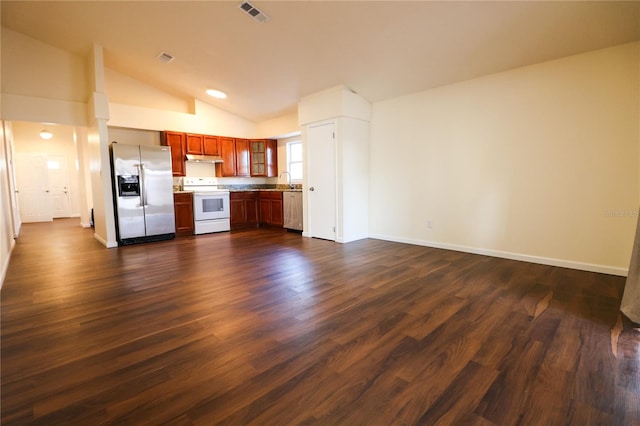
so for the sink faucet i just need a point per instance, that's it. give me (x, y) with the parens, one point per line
(289, 174)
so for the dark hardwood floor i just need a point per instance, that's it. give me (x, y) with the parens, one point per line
(266, 327)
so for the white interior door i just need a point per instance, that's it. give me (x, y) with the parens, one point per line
(321, 169)
(32, 181)
(59, 184)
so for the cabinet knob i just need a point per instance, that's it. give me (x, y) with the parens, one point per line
(312, 189)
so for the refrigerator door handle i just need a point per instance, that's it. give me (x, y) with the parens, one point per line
(143, 186)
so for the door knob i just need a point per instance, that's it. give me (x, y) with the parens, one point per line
(312, 189)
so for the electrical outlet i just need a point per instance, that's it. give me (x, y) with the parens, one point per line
(429, 224)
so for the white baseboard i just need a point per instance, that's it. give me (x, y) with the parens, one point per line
(602, 269)
(105, 242)
(85, 225)
(5, 266)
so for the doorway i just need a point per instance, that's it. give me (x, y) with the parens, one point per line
(47, 183)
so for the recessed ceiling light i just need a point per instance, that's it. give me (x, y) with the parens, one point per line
(216, 94)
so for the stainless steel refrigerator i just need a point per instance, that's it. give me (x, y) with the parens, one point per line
(142, 192)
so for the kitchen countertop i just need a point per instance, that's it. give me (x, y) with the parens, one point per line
(265, 190)
(247, 190)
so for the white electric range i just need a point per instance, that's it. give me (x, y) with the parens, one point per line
(210, 204)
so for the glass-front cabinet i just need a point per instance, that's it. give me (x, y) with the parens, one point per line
(264, 158)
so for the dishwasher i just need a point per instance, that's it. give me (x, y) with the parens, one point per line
(292, 206)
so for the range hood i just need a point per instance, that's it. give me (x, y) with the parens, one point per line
(204, 158)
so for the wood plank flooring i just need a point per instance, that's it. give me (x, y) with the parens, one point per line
(268, 328)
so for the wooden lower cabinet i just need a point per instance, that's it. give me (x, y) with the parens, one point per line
(243, 209)
(271, 208)
(183, 207)
(253, 208)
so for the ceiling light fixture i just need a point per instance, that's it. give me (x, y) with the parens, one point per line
(216, 94)
(45, 134)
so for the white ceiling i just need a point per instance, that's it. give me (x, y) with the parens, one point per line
(379, 49)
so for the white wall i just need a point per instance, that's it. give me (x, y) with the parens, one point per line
(135, 104)
(6, 222)
(539, 163)
(84, 175)
(134, 136)
(126, 90)
(279, 127)
(353, 173)
(28, 69)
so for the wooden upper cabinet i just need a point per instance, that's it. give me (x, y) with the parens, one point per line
(264, 158)
(210, 145)
(272, 157)
(177, 142)
(258, 158)
(228, 154)
(194, 144)
(242, 157)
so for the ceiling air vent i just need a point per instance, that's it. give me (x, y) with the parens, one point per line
(254, 12)
(165, 57)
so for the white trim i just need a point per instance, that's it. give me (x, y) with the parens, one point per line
(104, 242)
(590, 267)
(85, 225)
(5, 267)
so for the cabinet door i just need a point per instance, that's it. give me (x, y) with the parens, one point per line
(265, 208)
(251, 207)
(176, 141)
(210, 145)
(277, 216)
(228, 153)
(242, 157)
(183, 204)
(258, 158)
(237, 212)
(271, 148)
(194, 144)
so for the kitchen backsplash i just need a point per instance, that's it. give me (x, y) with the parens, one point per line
(242, 183)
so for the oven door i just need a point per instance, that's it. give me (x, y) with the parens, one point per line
(212, 205)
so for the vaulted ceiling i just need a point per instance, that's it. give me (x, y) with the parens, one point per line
(379, 49)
